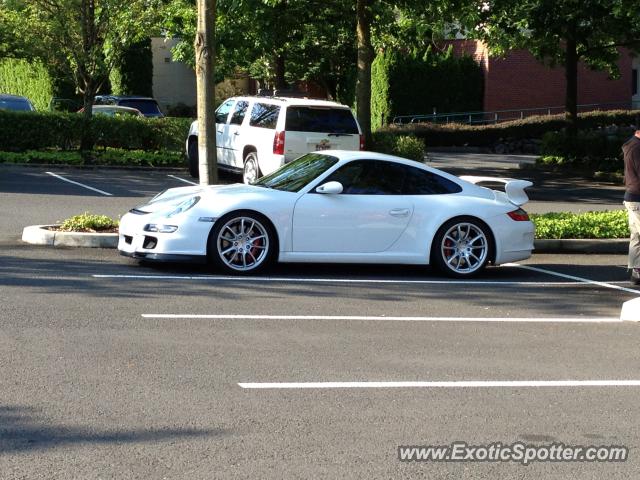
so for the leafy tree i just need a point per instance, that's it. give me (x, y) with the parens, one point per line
(276, 41)
(84, 37)
(365, 59)
(133, 72)
(559, 32)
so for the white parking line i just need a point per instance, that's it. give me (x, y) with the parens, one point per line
(383, 318)
(454, 384)
(182, 180)
(79, 184)
(213, 278)
(574, 278)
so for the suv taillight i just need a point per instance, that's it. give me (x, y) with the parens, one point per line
(278, 143)
(361, 142)
(519, 215)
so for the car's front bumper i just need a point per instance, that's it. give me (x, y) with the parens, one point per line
(187, 244)
(165, 257)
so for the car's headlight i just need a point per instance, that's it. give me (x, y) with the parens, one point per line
(156, 227)
(183, 207)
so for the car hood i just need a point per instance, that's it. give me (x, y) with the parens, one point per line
(174, 196)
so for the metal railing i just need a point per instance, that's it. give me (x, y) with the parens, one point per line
(485, 118)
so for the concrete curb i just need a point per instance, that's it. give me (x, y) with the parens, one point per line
(614, 245)
(39, 235)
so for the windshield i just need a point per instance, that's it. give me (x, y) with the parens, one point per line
(295, 175)
(145, 106)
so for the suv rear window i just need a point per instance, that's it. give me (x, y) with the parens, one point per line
(264, 115)
(320, 119)
(145, 106)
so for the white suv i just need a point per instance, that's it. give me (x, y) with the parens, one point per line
(257, 135)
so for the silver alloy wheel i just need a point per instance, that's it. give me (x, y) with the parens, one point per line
(243, 243)
(464, 248)
(250, 171)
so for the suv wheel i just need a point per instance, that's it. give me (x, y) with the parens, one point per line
(192, 154)
(251, 171)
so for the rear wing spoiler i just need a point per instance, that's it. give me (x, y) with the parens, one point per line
(514, 189)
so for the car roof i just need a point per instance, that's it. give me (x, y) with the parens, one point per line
(125, 97)
(8, 96)
(293, 101)
(114, 107)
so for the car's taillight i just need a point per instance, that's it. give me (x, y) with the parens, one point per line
(278, 143)
(361, 142)
(519, 215)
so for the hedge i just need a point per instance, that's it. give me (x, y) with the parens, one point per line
(408, 84)
(21, 131)
(440, 135)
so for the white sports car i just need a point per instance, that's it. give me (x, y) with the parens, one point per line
(337, 207)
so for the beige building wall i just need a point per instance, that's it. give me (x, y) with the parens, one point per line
(173, 82)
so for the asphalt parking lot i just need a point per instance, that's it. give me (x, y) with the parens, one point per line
(113, 369)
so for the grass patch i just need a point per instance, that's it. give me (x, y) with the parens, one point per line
(592, 225)
(108, 156)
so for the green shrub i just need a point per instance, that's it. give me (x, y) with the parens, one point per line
(404, 146)
(46, 157)
(439, 135)
(608, 224)
(20, 131)
(408, 84)
(88, 222)
(31, 80)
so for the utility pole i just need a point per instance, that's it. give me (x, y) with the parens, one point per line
(205, 64)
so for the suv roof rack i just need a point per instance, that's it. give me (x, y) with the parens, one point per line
(284, 92)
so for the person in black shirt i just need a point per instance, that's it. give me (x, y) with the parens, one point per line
(631, 151)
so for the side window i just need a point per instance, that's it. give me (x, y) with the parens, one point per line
(370, 178)
(421, 182)
(239, 112)
(264, 115)
(223, 111)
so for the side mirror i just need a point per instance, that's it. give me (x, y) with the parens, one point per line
(330, 187)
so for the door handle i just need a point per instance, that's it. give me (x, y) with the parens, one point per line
(236, 133)
(399, 212)
(219, 131)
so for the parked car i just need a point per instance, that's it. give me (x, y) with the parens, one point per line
(15, 103)
(337, 207)
(257, 135)
(114, 111)
(147, 105)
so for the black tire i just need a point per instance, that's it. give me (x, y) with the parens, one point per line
(251, 168)
(226, 236)
(192, 156)
(462, 247)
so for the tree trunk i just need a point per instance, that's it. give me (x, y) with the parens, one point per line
(86, 138)
(365, 57)
(571, 77)
(281, 83)
(205, 61)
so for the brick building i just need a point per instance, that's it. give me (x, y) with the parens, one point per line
(519, 81)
